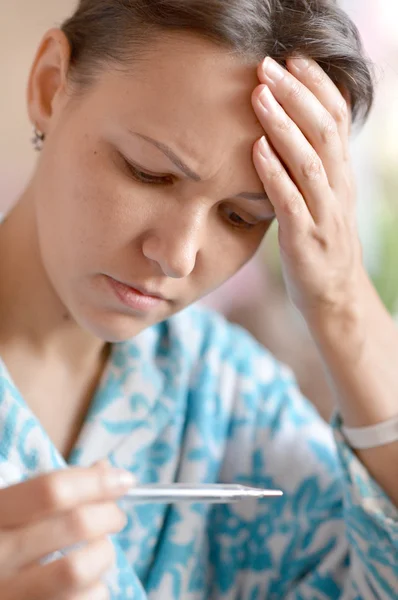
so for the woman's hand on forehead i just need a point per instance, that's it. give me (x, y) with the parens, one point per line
(303, 163)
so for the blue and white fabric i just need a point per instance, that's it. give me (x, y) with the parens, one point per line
(195, 399)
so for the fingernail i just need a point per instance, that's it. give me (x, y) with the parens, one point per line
(272, 70)
(119, 479)
(267, 99)
(301, 63)
(264, 147)
(102, 464)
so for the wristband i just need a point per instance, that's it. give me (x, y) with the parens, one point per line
(362, 438)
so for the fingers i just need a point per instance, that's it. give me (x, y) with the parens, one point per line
(336, 102)
(282, 192)
(97, 592)
(23, 546)
(69, 577)
(60, 491)
(308, 113)
(308, 89)
(302, 161)
(102, 464)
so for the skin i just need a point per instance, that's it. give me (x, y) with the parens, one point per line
(55, 511)
(93, 218)
(307, 122)
(83, 216)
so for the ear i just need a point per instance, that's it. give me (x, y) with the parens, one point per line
(48, 78)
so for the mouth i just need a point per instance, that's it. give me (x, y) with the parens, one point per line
(145, 291)
(135, 296)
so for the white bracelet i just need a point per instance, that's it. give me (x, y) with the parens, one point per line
(362, 438)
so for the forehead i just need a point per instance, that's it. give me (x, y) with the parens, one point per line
(188, 92)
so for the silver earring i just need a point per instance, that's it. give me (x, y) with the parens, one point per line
(38, 139)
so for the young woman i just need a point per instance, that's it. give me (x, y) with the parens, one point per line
(168, 145)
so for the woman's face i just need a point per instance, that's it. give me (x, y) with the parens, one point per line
(146, 179)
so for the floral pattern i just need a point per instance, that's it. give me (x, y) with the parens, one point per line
(195, 399)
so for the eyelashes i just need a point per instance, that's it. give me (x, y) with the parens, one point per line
(237, 221)
(147, 178)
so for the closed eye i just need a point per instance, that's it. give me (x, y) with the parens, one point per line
(237, 221)
(144, 177)
(232, 217)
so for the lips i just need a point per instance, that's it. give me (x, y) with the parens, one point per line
(136, 297)
(145, 292)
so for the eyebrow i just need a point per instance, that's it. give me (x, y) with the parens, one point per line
(171, 155)
(188, 172)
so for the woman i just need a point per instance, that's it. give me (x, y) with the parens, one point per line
(168, 146)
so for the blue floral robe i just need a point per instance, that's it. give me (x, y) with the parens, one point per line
(195, 399)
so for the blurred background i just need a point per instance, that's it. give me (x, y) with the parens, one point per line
(256, 297)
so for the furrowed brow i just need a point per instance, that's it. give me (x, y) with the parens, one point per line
(171, 156)
(184, 168)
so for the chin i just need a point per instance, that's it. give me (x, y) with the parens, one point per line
(113, 328)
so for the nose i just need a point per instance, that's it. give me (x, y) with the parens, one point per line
(175, 244)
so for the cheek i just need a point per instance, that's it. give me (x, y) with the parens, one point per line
(93, 211)
(224, 261)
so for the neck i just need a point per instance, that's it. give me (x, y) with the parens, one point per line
(36, 321)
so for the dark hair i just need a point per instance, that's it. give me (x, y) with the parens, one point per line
(114, 31)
